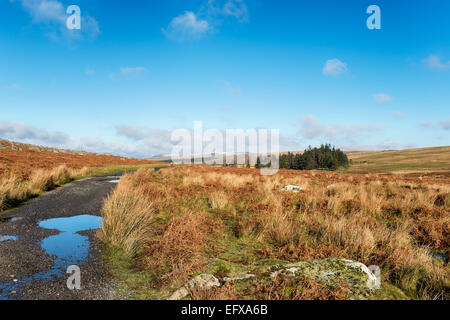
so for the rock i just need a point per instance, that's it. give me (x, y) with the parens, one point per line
(266, 265)
(180, 294)
(239, 277)
(292, 188)
(202, 281)
(333, 271)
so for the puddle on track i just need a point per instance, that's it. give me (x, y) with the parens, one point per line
(113, 181)
(7, 238)
(69, 247)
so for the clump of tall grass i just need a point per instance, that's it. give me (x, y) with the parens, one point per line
(44, 180)
(218, 200)
(61, 175)
(80, 173)
(12, 190)
(41, 180)
(128, 216)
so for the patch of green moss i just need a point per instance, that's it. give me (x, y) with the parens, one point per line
(267, 265)
(221, 268)
(132, 283)
(389, 292)
(416, 284)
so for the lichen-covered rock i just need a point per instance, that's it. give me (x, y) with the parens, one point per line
(239, 277)
(221, 268)
(266, 265)
(180, 294)
(292, 188)
(202, 281)
(333, 271)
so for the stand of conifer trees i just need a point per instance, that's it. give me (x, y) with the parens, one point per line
(324, 157)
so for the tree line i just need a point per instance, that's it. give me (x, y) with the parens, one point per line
(325, 157)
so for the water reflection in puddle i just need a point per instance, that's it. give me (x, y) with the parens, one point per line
(69, 247)
(6, 238)
(113, 181)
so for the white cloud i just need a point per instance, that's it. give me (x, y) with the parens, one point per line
(152, 141)
(311, 127)
(445, 124)
(427, 124)
(45, 10)
(52, 14)
(21, 131)
(232, 91)
(133, 132)
(399, 115)
(237, 9)
(145, 141)
(334, 67)
(89, 71)
(14, 86)
(435, 63)
(129, 73)
(382, 97)
(195, 25)
(186, 26)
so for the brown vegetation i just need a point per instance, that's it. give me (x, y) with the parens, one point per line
(15, 190)
(21, 160)
(199, 213)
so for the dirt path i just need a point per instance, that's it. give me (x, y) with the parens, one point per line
(34, 259)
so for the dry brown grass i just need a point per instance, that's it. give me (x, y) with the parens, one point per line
(218, 200)
(236, 214)
(15, 190)
(12, 190)
(128, 216)
(61, 175)
(41, 180)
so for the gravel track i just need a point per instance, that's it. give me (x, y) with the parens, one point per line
(22, 258)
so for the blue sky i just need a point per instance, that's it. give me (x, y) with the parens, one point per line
(138, 70)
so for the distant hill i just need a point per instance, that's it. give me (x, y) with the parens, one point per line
(18, 146)
(21, 159)
(423, 161)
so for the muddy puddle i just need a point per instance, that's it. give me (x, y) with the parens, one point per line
(68, 247)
